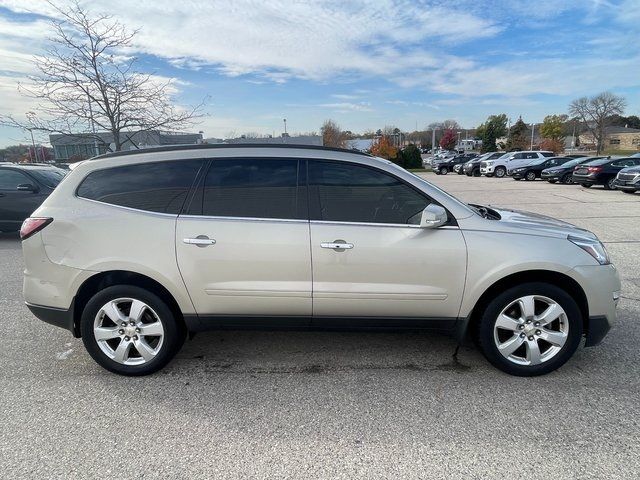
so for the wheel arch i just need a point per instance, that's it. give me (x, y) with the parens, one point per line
(560, 280)
(102, 280)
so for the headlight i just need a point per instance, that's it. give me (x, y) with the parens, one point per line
(594, 248)
(489, 163)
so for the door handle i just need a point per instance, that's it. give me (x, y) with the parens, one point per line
(199, 241)
(338, 245)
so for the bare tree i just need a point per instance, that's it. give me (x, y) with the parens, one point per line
(85, 82)
(595, 112)
(332, 134)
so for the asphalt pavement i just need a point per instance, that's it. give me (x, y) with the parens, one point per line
(332, 405)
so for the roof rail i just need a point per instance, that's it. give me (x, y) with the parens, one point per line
(205, 146)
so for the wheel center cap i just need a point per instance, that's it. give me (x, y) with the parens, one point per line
(529, 329)
(130, 330)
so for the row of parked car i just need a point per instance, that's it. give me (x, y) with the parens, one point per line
(622, 173)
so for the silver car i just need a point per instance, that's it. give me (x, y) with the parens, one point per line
(134, 250)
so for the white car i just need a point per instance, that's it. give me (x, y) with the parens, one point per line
(509, 161)
(133, 250)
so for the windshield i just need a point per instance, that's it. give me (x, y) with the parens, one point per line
(50, 177)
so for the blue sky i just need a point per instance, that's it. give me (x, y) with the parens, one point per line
(363, 63)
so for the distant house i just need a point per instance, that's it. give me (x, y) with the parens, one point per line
(74, 147)
(618, 138)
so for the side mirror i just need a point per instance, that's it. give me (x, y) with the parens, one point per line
(433, 216)
(27, 187)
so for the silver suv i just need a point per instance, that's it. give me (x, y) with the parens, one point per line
(134, 250)
(502, 165)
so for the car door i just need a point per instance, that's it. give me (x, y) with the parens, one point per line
(389, 266)
(16, 205)
(243, 245)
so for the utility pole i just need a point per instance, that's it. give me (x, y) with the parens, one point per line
(33, 143)
(433, 140)
(533, 129)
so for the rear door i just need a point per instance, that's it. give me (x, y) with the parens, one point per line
(16, 205)
(243, 245)
(388, 267)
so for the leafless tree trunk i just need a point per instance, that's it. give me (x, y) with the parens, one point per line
(595, 112)
(84, 83)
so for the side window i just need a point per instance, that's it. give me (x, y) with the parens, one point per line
(253, 188)
(518, 156)
(352, 193)
(531, 155)
(10, 179)
(156, 187)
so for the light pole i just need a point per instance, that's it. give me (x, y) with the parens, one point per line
(533, 129)
(433, 140)
(285, 126)
(458, 145)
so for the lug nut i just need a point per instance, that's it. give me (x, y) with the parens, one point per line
(123, 324)
(528, 321)
(537, 324)
(538, 332)
(520, 327)
(137, 330)
(135, 337)
(522, 335)
(531, 337)
(132, 323)
(121, 331)
(127, 338)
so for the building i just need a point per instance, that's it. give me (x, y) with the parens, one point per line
(360, 144)
(284, 139)
(616, 138)
(74, 147)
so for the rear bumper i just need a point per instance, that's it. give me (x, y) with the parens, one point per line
(59, 317)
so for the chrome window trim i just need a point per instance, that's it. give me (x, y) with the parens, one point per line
(245, 219)
(386, 225)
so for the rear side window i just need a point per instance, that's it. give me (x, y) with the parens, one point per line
(253, 188)
(352, 193)
(155, 187)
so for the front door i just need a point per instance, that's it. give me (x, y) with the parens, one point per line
(243, 247)
(370, 258)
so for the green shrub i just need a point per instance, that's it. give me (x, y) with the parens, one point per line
(410, 157)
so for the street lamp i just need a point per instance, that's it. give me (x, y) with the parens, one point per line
(533, 129)
(31, 117)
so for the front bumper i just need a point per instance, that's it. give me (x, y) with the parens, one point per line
(487, 170)
(516, 175)
(550, 176)
(628, 186)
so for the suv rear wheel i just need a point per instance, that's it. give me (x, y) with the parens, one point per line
(129, 330)
(530, 329)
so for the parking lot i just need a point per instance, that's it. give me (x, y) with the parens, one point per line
(328, 404)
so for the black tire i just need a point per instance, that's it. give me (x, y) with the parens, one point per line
(490, 315)
(530, 176)
(629, 191)
(174, 335)
(443, 170)
(586, 185)
(610, 184)
(500, 172)
(551, 181)
(476, 173)
(567, 179)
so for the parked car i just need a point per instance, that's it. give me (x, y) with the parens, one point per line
(447, 165)
(465, 157)
(602, 172)
(628, 180)
(511, 160)
(564, 173)
(176, 239)
(534, 169)
(23, 187)
(472, 167)
(636, 155)
(576, 155)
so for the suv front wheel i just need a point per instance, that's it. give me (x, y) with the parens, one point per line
(129, 330)
(530, 329)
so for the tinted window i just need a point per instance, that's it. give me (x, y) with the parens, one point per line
(156, 187)
(256, 188)
(352, 193)
(10, 179)
(50, 177)
(547, 154)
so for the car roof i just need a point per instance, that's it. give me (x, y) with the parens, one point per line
(602, 161)
(223, 146)
(29, 166)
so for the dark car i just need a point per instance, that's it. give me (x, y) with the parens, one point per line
(602, 171)
(447, 165)
(576, 155)
(22, 189)
(628, 180)
(472, 167)
(564, 173)
(534, 169)
(467, 158)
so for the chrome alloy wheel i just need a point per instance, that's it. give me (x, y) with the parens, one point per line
(531, 330)
(128, 331)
